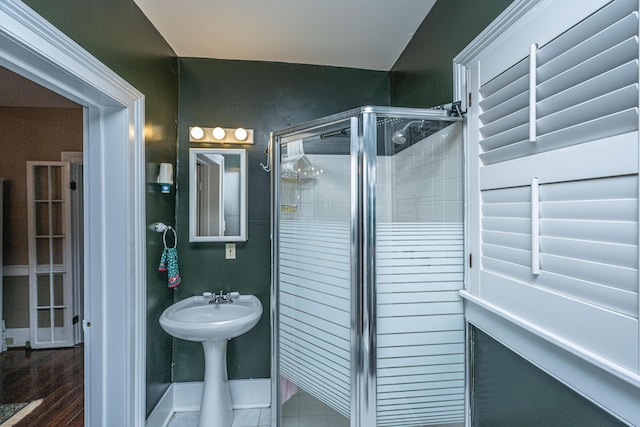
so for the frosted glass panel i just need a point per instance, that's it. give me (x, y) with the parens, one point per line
(369, 264)
(419, 271)
(314, 277)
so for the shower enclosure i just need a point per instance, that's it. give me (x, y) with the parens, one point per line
(367, 235)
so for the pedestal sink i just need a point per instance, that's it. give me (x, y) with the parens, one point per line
(213, 324)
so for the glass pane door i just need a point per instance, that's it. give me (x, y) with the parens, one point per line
(419, 273)
(314, 319)
(50, 293)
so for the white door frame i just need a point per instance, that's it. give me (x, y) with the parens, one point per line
(115, 273)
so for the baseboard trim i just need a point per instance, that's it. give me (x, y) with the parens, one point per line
(17, 337)
(186, 397)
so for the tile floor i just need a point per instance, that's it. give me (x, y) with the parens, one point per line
(302, 410)
(241, 418)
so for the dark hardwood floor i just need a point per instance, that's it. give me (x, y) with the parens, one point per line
(57, 376)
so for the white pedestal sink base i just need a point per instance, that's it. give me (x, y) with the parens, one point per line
(196, 319)
(216, 409)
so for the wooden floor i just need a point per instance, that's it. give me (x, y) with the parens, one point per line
(57, 376)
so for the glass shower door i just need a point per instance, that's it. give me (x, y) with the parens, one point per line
(419, 271)
(314, 311)
(368, 262)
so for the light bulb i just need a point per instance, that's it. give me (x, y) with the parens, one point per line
(219, 133)
(197, 132)
(241, 134)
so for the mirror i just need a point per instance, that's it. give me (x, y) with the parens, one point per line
(217, 195)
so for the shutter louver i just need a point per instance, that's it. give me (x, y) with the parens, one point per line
(587, 89)
(505, 106)
(588, 239)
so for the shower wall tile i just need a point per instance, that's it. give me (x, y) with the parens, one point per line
(421, 183)
(327, 197)
(428, 185)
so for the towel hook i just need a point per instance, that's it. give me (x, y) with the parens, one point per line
(159, 227)
(175, 237)
(267, 164)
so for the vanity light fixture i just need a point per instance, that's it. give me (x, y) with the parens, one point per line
(240, 134)
(220, 135)
(196, 132)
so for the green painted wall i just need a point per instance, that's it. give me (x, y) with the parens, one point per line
(266, 97)
(509, 391)
(423, 75)
(118, 34)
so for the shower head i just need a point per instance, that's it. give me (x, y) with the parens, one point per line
(400, 136)
(417, 130)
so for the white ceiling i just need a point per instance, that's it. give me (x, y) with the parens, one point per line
(366, 34)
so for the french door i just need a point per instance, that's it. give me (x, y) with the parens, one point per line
(50, 284)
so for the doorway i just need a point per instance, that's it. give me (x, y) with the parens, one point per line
(113, 123)
(37, 126)
(42, 267)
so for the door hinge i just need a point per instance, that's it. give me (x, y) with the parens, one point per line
(75, 319)
(470, 260)
(73, 186)
(469, 103)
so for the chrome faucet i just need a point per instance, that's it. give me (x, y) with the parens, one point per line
(220, 298)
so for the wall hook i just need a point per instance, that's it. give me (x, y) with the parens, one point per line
(160, 227)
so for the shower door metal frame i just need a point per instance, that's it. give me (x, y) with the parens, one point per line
(363, 277)
(363, 152)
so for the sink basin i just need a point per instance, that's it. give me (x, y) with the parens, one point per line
(194, 319)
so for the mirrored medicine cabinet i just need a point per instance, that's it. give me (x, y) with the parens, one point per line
(217, 195)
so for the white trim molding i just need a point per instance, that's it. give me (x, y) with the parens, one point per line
(115, 273)
(72, 156)
(482, 41)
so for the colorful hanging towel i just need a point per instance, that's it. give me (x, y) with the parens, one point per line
(163, 261)
(169, 260)
(174, 273)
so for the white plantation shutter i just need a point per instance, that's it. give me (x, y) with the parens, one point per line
(586, 84)
(565, 118)
(552, 192)
(588, 239)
